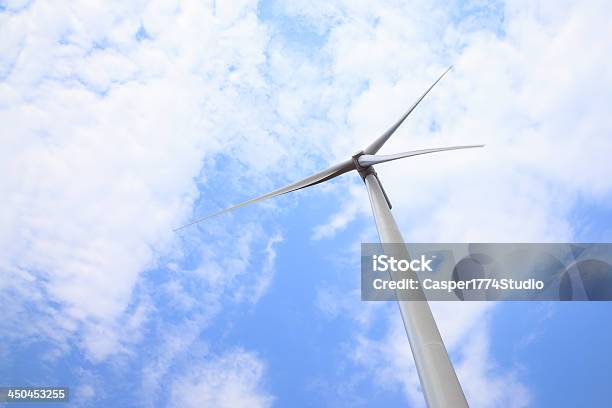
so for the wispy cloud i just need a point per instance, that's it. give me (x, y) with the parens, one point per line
(116, 116)
(231, 380)
(525, 85)
(105, 134)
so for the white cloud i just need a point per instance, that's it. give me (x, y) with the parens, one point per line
(342, 219)
(104, 135)
(530, 81)
(477, 372)
(466, 331)
(534, 94)
(267, 271)
(232, 380)
(192, 298)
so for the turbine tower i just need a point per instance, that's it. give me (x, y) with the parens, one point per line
(436, 373)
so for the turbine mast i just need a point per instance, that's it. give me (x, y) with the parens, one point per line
(439, 381)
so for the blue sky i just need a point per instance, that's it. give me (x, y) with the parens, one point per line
(124, 121)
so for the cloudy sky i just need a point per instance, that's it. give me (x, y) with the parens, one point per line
(123, 120)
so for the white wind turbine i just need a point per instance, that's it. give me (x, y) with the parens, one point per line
(436, 373)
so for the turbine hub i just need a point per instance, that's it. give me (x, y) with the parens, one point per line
(363, 171)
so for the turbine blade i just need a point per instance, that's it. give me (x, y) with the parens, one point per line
(317, 178)
(366, 160)
(378, 143)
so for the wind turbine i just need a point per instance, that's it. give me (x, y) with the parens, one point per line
(436, 373)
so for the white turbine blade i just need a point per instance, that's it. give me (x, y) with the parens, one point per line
(319, 177)
(366, 160)
(378, 143)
